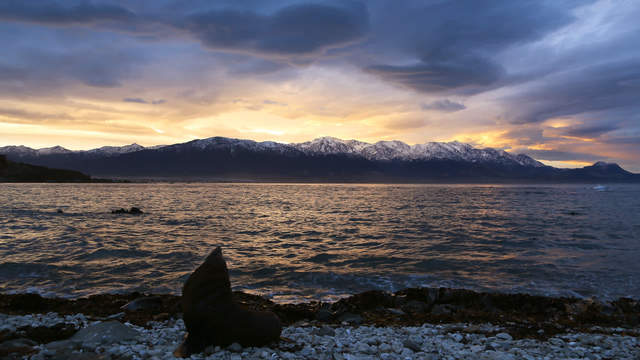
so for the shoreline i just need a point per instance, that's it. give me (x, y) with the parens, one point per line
(412, 323)
(408, 307)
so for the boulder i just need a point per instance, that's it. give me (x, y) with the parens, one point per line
(108, 332)
(213, 318)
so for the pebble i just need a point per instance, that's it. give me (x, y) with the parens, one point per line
(346, 342)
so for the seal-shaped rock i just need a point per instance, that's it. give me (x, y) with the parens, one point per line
(213, 318)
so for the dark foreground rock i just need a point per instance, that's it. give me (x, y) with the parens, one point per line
(213, 318)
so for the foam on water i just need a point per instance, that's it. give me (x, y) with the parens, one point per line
(305, 241)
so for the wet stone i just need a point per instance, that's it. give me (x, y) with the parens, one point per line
(412, 345)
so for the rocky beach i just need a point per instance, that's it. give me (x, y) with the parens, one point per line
(419, 323)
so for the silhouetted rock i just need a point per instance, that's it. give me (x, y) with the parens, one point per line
(212, 317)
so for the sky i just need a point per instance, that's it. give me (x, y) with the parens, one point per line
(557, 80)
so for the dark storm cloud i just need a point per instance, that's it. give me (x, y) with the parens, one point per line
(592, 131)
(299, 29)
(527, 136)
(613, 85)
(624, 140)
(59, 13)
(454, 43)
(44, 70)
(437, 76)
(445, 105)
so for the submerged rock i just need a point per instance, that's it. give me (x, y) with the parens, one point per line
(212, 317)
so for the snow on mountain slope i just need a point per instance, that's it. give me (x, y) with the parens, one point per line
(24, 151)
(331, 145)
(116, 150)
(53, 150)
(397, 150)
(19, 150)
(219, 142)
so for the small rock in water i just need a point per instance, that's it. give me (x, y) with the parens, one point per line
(135, 211)
(132, 211)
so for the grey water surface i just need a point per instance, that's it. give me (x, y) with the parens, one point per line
(295, 242)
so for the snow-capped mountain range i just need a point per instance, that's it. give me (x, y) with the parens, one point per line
(379, 151)
(397, 150)
(322, 159)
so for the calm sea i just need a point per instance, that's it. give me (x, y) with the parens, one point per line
(305, 241)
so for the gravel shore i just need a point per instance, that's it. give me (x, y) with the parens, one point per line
(111, 339)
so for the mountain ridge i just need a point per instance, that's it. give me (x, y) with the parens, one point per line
(381, 150)
(322, 159)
